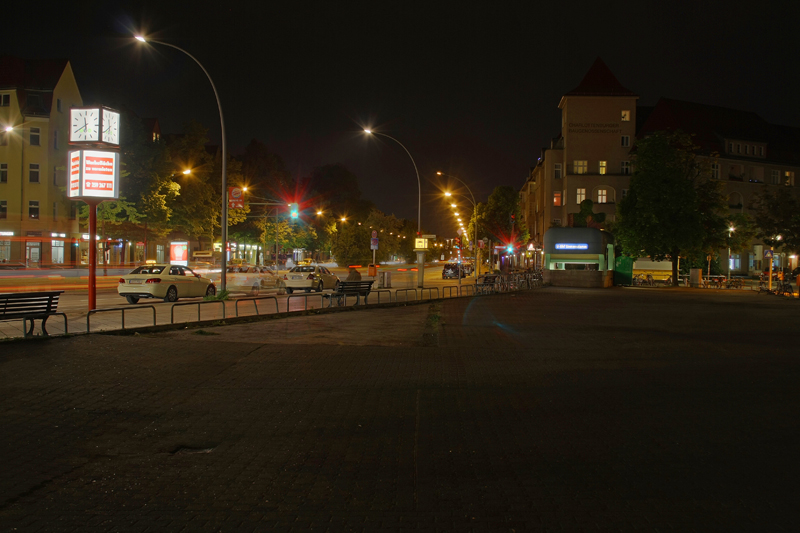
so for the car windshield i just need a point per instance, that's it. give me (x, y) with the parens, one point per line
(149, 269)
(303, 269)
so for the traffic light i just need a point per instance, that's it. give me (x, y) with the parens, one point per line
(294, 211)
(510, 248)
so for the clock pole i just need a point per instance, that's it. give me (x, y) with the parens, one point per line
(92, 253)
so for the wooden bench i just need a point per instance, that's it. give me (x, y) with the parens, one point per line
(345, 288)
(30, 306)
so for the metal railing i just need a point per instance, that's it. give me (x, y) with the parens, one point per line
(466, 288)
(430, 292)
(198, 304)
(255, 300)
(381, 291)
(405, 291)
(120, 309)
(306, 297)
(447, 291)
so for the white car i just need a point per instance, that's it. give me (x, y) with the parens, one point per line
(308, 278)
(168, 282)
(247, 278)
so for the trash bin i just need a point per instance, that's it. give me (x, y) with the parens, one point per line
(385, 280)
(372, 270)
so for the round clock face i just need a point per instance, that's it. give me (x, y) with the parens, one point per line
(110, 127)
(84, 125)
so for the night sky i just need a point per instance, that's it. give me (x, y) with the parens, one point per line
(470, 91)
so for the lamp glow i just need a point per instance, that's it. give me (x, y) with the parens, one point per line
(140, 38)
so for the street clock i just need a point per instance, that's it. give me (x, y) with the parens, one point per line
(94, 125)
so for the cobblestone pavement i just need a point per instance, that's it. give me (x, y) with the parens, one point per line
(555, 409)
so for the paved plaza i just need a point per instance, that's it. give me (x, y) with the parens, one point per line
(544, 410)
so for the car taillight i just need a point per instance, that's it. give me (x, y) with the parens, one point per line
(153, 280)
(310, 276)
(121, 280)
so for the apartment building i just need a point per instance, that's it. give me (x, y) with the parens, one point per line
(590, 157)
(38, 224)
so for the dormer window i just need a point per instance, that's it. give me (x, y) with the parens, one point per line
(626, 116)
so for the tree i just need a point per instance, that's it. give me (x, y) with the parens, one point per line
(777, 218)
(501, 218)
(586, 217)
(673, 205)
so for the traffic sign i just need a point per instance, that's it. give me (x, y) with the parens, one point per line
(432, 237)
(374, 234)
(460, 231)
(373, 244)
(768, 254)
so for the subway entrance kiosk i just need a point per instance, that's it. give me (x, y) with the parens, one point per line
(578, 257)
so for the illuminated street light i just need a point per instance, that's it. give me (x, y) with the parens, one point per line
(9, 129)
(475, 215)
(319, 212)
(224, 217)
(420, 255)
(730, 232)
(188, 171)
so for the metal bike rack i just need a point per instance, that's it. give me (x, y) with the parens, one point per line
(114, 309)
(406, 291)
(306, 297)
(255, 300)
(198, 304)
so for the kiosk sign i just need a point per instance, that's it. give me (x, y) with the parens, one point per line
(572, 246)
(93, 174)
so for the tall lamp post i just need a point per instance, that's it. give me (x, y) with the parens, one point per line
(730, 232)
(475, 213)
(224, 225)
(420, 255)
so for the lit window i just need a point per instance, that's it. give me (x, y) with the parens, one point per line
(626, 116)
(557, 198)
(581, 196)
(626, 168)
(35, 136)
(602, 167)
(33, 173)
(557, 171)
(715, 170)
(626, 140)
(33, 209)
(788, 179)
(602, 196)
(580, 167)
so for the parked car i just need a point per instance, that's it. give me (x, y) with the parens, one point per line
(247, 278)
(450, 270)
(308, 278)
(168, 282)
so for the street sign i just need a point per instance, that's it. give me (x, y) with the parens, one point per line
(768, 254)
(374, 234)
(432, 237)
(235, 198)
(373, 243)
(460, 231)
(481, 244)
(420, 244)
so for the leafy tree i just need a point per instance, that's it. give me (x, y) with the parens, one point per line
(673, 206)
(777, 217)
(586, 217)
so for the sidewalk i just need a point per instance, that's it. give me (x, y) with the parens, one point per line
(542, 410)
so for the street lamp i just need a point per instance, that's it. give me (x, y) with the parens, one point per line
(475, 214)
(420, 255)
(224, 218)
(730, 232)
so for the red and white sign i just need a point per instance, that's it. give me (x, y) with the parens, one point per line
(179, 253)
(235, 198)
(93, 174)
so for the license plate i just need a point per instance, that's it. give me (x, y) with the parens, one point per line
(135, 281)
(297, 277)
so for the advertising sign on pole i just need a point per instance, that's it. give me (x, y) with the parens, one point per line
(235, 198)
(93, 174)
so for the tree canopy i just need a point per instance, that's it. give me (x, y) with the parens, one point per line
(673, 206)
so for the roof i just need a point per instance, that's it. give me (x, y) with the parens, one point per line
(712, 125)
(600, 81)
